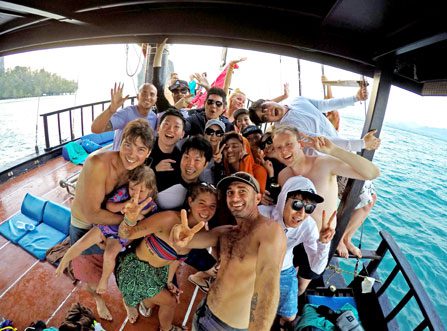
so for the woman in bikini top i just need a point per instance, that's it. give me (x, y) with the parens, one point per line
(157, 248)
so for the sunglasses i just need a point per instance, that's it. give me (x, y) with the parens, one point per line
(297, 205)
(266, 142)
(212, 102)
(211, 132)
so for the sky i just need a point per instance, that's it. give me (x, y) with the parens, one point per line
(262, 75)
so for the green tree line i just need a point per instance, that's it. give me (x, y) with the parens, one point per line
(22, 82)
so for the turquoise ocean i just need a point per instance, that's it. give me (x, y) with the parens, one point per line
(412, 207)
(412, 192)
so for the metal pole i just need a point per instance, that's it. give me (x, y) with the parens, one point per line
(374, 120)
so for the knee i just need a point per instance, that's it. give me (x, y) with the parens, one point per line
(172, 302)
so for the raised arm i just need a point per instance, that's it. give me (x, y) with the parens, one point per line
(229, 73)
(91, 192)
(102, 123)
(283, 96)
(162, 103)
(343, 163)
(264, 302)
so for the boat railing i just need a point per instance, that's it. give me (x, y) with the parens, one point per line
(83, 115)
(430, 318)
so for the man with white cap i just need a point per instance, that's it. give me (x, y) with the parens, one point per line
(297, 200)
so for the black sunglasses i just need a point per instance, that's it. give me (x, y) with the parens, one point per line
(212, 102)
(268, 141)
(211, 132)
(309, 208)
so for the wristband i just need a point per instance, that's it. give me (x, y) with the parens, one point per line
(128, 222)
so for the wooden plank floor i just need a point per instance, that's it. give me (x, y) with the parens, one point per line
(29, 290)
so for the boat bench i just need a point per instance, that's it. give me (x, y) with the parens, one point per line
(92, 142)
(39, 225)
(340, 301)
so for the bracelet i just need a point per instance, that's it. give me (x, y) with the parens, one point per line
(128, 222)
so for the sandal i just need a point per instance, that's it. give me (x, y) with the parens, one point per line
(204, 288)
(145, 312)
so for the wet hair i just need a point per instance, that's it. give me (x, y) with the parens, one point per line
(217, 91)
(198, 188)
(231, 135)
(145, 175)
(199, 143)
(255, 106)
(173, 112)
(286, 129)
(139, 128)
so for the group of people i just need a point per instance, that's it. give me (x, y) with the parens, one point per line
(180, 181)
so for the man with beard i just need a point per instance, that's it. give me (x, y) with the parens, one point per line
(245, 294)
(112, 119)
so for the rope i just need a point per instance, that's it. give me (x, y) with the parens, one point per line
(127, 62)
(338, 270)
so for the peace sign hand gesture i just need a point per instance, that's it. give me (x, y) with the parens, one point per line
(181, 234)
(218, 155)
(132, 209)
(327, 231)
(320, 144)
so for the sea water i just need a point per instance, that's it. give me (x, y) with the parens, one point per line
(412, 207)
(412, 194)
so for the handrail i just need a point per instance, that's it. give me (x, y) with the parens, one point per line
(73, 113)
(431, 318)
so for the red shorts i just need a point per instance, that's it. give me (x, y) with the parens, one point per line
(88, 268)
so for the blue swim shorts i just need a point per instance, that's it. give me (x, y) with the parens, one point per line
(288, 293)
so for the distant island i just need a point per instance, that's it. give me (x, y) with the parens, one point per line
(22, 82)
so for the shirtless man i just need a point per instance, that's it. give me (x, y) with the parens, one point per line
(245, 294)
(102, 174)
(322, 170)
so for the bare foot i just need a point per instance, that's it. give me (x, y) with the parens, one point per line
(342, 250)
(132, 314)
(102, 286)
(102, 309)
(354, 250)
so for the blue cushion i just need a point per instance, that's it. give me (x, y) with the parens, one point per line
(30, 215)
(57, 216)
(33, 207)
(335, 303)
(38, 241)
(16, 227)
(101, 138)
(89, 145)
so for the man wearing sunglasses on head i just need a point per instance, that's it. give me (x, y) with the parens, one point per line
(307, 247)
(214, 107)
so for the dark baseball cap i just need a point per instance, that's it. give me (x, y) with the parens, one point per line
(179, 84)
(239, 176)
(250, 130)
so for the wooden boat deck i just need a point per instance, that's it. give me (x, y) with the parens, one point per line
(29, 290)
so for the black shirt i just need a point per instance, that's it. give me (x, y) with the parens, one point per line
(165, 179)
